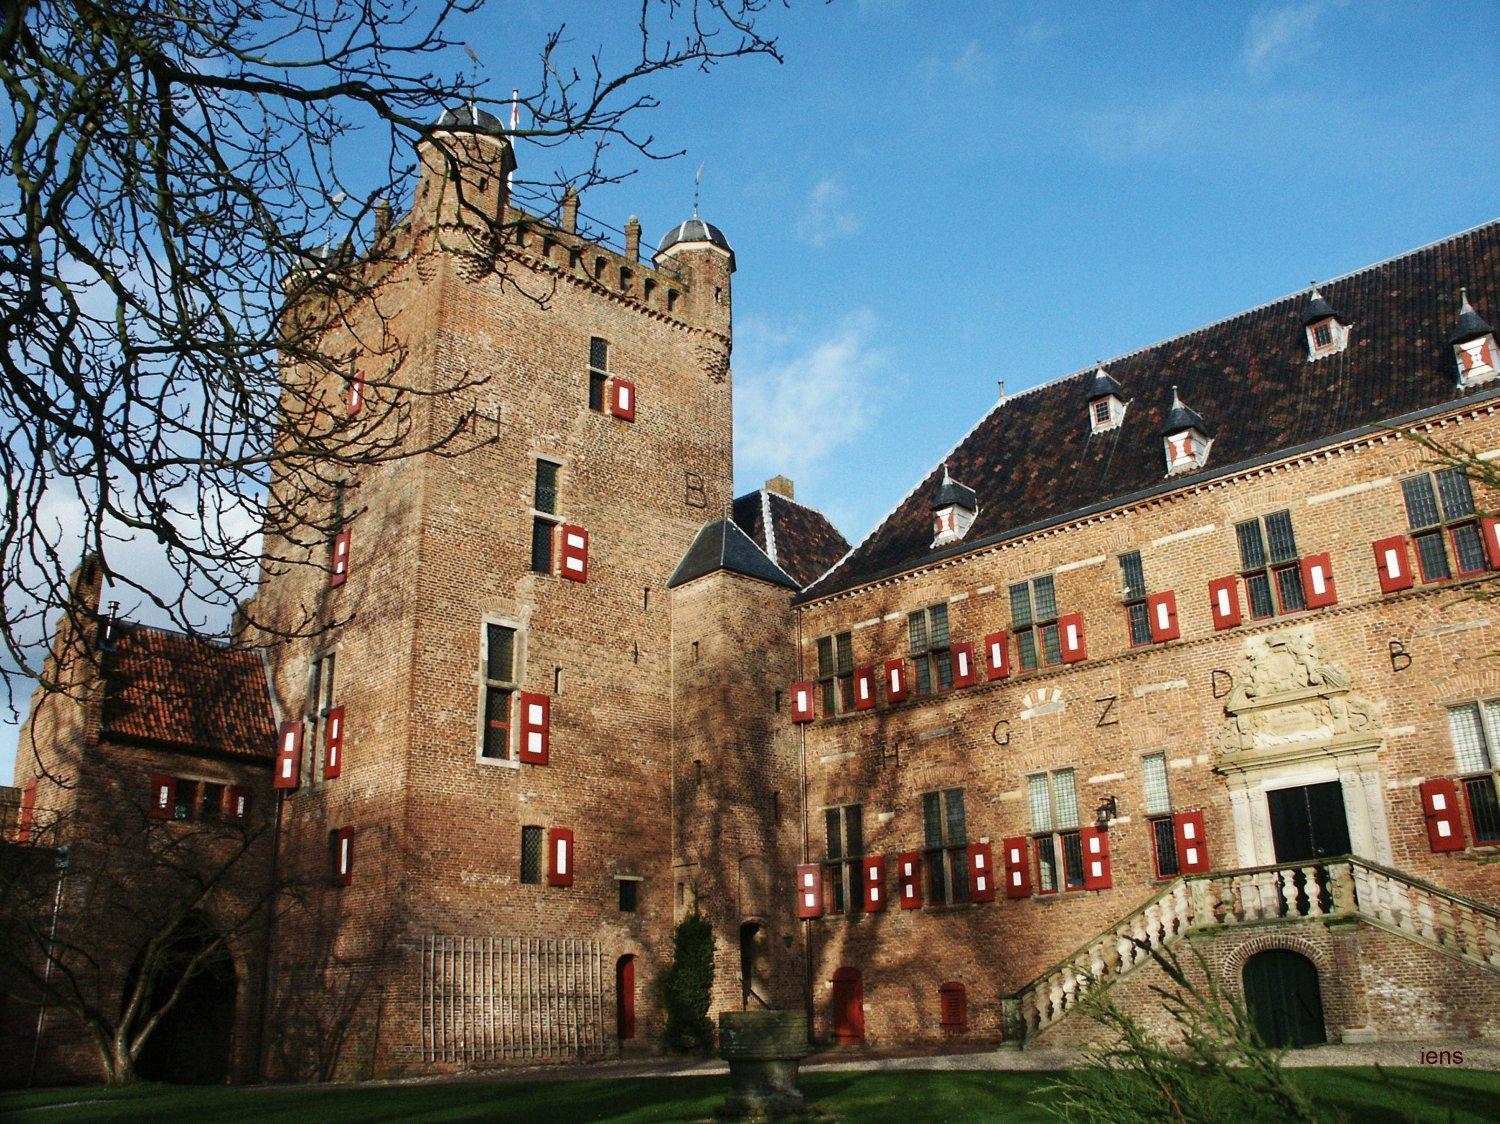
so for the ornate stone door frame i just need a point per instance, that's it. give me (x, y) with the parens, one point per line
(1294, 720)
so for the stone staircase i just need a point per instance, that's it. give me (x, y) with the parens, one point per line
(1338, 888)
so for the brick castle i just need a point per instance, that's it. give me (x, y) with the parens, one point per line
(1172, 653)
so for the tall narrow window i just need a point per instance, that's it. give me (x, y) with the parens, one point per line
(1159, 814)
(1133, 594)
(1440, 510)
(1268, 561)
(1033, 616)
(1475, 728)
(1053, 798)
(499, 689)
(945, 846)
(319, 703)
(598, 372)
(927, 630)
(531, 855)
(544, 511)
(844, 828)
(836, 672)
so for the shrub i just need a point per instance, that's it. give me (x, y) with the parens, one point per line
(688, 983)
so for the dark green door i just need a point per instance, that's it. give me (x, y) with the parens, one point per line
(1282, 997)
(1308, 822)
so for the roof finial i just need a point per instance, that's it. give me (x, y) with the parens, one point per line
(947, 479)
(697, 186)
(1464, 305)
(1176, 401)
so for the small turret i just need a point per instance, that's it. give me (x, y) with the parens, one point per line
(1185, 438)
(466, 164)
(1473, 342)
(1327, 331)
(953, 511)
(699, 252)
(1106, 401)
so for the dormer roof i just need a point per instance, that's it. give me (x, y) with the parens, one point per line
(1181, 417)
(1471, 325)
(951, 493)
(1103, 384)
(1318, 309)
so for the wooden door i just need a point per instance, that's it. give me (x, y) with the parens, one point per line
(1308, 822)
(1283, 999)
(848, 1008)
(625, 998)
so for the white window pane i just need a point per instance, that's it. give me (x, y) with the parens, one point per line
(1157, 798)
(1041, 803)
(1065, 795)
(1491, 730)
(1468, 739)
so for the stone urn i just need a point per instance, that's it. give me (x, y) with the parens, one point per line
(763, 1049)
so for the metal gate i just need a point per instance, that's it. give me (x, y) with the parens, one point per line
(500, 998)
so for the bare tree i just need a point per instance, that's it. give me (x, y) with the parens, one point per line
(109, 930)
(168, 165)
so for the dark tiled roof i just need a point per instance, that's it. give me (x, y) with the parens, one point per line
(721, 545)
(802, 542)
(169, 689)
(1033, 460)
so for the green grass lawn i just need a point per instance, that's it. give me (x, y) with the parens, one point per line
(1358, 1094)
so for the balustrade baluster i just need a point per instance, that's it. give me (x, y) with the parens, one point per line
(1287, 883)
(1424, 916)
(1340, 888)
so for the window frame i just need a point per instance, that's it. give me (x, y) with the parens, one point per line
(1485, 780)
(486, 685)
(598, 377)
(1060, 842)
(948, 854)
(541, 516)
(634, 881)
(1161, 819)
(836, 673)
(1035, 625)
(932, 663)
(1446, 529)
(843, 874)
(1274, 571)
(538, 833)
(1133, 600)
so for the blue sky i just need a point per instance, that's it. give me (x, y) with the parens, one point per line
(926, 198)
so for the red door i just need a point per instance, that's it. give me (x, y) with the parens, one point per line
(848, 1008)
(625, 997)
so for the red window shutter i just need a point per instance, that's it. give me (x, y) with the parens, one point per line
(1070, 632)
(333, 747)
(1096, 873)
(340, 570)
(1192, 847)
(536, 728)
(163, 797)
(28, 812)
(997, 654)
(1017, 867)
(1224, 602)
(574, 553)
(909, 879)
(1445, 828)
(1491, 531)
(953, 1006)
(1317, 581)
(1393, 564)
(561, 856)
(873, 879)
(1161, 613)
(864, 688)
(963, 665)
(981, 873)
(343, 856)
(237, 802)
(622, 399)
(809, 891)
(895, 680)
(289, 756)
(802, 701)
(356, 392)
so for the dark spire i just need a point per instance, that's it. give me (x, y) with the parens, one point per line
(953, 493)
(1181, 417)
(1471, 325)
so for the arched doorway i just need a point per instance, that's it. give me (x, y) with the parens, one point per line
(625, 998)
(191, 1044)
(848, 1008)
(754, 982)
(1283, 999)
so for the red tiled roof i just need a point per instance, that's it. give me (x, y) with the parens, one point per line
(166, 688)
(1033, 461)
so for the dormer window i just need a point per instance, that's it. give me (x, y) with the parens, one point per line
(1185, 438)
(952, 512)
(1474, 346)
(1106, 406)
(1327, 333)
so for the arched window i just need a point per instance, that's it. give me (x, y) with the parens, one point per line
(953, 1007)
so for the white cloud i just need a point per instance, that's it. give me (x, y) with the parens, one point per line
(971, 62)
(1282, 34)
(799, 400)
(826, 214)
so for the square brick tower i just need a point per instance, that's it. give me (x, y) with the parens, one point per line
(476, 749)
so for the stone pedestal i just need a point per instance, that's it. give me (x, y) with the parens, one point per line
(763, 1049)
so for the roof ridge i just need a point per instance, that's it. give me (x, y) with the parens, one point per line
(769, 521)
(1089, 370)
(222, 643)
(789, 499)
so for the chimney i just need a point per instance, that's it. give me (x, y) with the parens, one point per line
(570, 211)
(382, 218)
(633, 239)
(781, 486)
